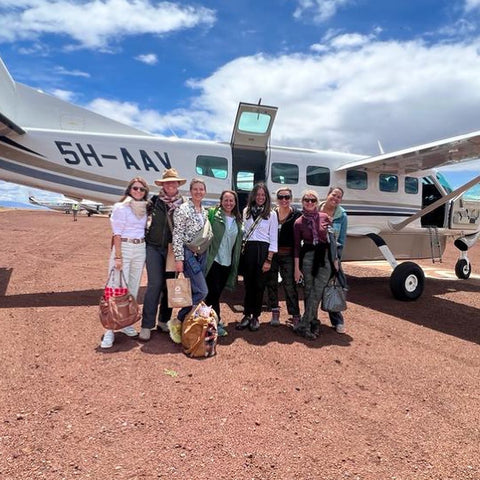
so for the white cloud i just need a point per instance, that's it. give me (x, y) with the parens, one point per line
(72, 73)
(97, 23)
(148, 58)
(318, 10)
(65, 95)
(471, 5)
(402, 94)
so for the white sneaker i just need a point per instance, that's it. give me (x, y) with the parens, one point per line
(108, 338)
(340, 328)
(163, 327)
(130, 331)
(144, 334)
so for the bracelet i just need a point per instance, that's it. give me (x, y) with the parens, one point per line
(118, 258)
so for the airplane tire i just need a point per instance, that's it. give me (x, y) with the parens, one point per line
(407, 281)
(463, 269)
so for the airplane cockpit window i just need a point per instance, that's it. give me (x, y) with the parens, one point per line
(284, 173)
(253, 122)
(318, 176)
(216, 167)
(388, 182)
(411, 185)
(357, 180)
(444, 183)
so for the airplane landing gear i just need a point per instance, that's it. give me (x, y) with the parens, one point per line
(463, 268)
(407, 281)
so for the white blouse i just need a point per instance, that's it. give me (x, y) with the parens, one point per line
(125, 223)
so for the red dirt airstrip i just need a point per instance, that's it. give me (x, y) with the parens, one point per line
(397, 397)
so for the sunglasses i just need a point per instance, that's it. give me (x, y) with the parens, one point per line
(139, 189)
(310, 200)
(284, 197)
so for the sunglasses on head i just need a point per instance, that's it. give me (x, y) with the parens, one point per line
(310, 200)
(284, 197)
(139, 189)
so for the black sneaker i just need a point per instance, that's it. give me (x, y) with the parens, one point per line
(244, 323)
(254, 324)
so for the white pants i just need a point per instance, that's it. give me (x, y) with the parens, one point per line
(133, 262)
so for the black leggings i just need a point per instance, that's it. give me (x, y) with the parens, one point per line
(253, 277)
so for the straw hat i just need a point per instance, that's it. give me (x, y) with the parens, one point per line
(170, 175)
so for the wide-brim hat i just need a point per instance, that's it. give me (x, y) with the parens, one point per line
(170, 175)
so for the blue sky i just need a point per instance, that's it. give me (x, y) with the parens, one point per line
(344, 73)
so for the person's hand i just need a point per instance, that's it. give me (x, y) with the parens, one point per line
(179, 266)
(118, 263)
(266, 266)
(298, 275)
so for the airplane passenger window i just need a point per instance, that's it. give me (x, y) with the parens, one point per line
(388, 182)
(284, 173)
(254, 122)
(245, 181)
(216, 167)
(318, 176)
(357, 180)
(411, 185)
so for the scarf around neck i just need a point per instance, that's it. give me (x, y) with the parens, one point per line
(172, 202)
(313, 221)
(139, 207)
(256, 210)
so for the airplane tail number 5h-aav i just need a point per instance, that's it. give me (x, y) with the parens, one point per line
(398, 206)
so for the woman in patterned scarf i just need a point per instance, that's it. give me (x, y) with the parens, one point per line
(159, 234)
(261, 236)
(311, 259)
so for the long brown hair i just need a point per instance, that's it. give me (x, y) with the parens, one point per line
(130, 185)
(252, 201)
(235, 210)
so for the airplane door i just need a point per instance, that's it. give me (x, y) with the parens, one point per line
(250, 138)
(465, 213)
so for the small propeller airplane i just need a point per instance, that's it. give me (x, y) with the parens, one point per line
(66, 205)
(399, 206)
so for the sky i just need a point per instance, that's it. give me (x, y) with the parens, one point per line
(344, 74)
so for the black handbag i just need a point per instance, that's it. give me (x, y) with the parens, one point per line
(334, 297)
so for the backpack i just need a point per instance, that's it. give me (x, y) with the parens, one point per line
(199, 332)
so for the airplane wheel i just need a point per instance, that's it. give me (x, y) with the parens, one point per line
(463, 269)
(407, 281)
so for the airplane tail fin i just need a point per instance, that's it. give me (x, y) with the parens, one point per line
(7, 103)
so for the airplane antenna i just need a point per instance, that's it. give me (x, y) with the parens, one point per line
(382, 151)
(259, 103)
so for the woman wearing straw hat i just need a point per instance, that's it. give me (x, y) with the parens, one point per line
(159, 234)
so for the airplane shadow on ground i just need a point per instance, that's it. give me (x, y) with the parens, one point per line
(430, 311)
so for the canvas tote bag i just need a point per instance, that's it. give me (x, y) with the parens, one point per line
(179, 292)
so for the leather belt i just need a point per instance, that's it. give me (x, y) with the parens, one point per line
(133, 240)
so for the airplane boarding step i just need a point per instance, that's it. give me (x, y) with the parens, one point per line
(435, 246)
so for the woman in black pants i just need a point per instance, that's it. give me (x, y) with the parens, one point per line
(261, 234)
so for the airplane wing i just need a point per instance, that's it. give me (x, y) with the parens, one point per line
(437, 154)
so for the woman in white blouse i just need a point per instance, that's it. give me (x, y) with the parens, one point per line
(261, 235)
(128, 220)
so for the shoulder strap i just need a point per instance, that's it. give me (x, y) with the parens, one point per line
(252, 228)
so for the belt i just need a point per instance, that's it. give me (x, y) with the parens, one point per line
(133, 240)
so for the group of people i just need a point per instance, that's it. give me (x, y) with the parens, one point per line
(263, 242)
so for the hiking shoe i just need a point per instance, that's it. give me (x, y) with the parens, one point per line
(254, 324)
(340, 328)
(108, 338)
(221, 332)
(175, 330)
(163, 327)
(244, 323)
(145, 334)
(129, 331)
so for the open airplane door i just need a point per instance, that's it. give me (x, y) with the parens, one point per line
(250, 138)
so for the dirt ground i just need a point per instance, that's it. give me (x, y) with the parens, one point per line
(397, 397)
